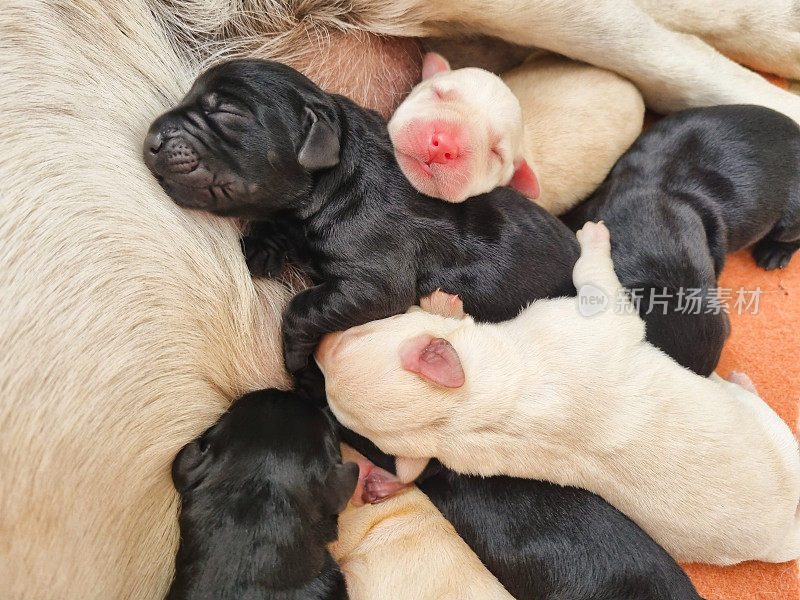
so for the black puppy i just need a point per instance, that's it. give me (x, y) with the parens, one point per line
(697, 185)
(257, 139)
(260, 493)
(548, 542)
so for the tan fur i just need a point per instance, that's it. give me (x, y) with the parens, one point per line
(404, 549)
(583, 401)
(129, 325)
(578, 121)
(761, 35)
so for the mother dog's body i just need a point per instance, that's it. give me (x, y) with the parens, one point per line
(127, 325)
(116, 349)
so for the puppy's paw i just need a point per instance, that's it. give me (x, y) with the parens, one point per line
(263, 259)
(770, 254)
(742, 380)
(444, 304)
(295, 358)
(594, 237)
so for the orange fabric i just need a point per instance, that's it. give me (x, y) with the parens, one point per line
(765, 346)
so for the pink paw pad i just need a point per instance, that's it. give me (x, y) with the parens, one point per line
(742, 380)
(443, 304)
(595, 235)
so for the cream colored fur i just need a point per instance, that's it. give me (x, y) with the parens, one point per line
(475, 101)
(762, 35)
(578, 121)
(129, 325)
(672, 70)
(702, 465)
(404, 549)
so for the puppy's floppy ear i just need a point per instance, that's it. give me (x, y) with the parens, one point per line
(524, 179)
(435, 359)
(320, 149)
(340, 484)
(433, 64)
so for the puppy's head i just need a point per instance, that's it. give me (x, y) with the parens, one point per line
(263, 485)
(400, 381)
(245, 141)
(461, 133)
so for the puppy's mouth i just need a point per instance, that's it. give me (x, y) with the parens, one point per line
(432, 179)
(185, 175)
(375, 484)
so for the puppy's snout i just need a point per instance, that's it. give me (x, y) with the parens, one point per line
(166, 155)
(153, 142)
(187, 466)
(166, 149)
(442, 147)
(178, 156)
(332, 343)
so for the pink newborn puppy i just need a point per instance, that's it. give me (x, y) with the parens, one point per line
(447, 143)
(571, 392)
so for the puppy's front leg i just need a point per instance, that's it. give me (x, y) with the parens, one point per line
(594, 277)
(594, 266)
(333, 306)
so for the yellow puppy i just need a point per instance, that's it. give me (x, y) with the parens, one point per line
(404, 548)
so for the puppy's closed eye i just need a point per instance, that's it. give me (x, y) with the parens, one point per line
(209, 103)
(444, 94)
(228, 116)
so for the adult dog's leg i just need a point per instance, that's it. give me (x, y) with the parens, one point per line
(763, 35)
(673, 70)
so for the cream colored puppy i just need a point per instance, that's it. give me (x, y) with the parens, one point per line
(404, 548)
(551, 128)
(702, 465)
(579, 119)
(461, 133)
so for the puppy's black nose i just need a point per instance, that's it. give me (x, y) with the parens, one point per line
(154, 141)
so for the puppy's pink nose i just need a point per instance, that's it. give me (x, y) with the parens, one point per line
(442, 148)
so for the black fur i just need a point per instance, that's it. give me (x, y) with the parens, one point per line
(547, 542)
(239, 145)
(260, 494)
(697, 185)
